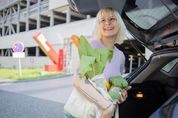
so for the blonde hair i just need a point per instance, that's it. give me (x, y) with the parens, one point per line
(122, 29)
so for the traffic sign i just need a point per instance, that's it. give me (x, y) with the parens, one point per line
(18, 54)
(18, 47)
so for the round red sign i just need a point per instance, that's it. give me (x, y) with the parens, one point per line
(18, 47)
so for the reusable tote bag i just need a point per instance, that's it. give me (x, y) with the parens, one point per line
(80, 107)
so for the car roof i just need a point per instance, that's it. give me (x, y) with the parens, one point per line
(154, 23)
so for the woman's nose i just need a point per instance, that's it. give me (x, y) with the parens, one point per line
(107, 22)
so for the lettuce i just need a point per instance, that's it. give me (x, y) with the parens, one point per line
(92, 61)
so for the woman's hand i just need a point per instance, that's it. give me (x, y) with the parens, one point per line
(109, 112)
(124, 95)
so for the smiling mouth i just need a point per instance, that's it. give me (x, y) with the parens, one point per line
(108, 29)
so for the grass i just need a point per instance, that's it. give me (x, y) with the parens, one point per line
(26, 73)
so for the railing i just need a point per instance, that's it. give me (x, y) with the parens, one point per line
(8, 16)
(23, 15)
(13, 19)
(33, 9)
(45, 1)
(31, 12)
(7, 21)
(6, 3)
(43, 8)
(1, 20)
(13, 14)
(23, 10)
(33, 6)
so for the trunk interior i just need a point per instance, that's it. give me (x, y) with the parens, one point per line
(152, 87)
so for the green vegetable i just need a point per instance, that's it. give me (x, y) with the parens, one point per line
(92, 61)
(86, 65)
(115, 95)
(118, 81)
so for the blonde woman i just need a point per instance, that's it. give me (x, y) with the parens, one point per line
(109, 30)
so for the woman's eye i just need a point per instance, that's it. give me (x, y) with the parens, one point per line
(112, 18)
(102, 20)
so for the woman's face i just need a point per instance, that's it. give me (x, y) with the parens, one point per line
(108, 26)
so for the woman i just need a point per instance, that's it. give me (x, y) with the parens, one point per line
(109, 30)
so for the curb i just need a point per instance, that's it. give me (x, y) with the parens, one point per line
(38, 79)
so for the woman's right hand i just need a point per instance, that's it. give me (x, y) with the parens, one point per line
(109, 112)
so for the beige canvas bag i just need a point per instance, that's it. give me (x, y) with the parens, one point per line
(80, 107)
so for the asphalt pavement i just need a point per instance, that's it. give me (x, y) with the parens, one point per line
(37, 98)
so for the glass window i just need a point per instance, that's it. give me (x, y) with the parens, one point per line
(32, 51)
(146, 13)
(41, 52)
(170, 65)
(5, 52)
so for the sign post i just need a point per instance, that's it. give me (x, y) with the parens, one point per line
(20, 68)
(18, 53)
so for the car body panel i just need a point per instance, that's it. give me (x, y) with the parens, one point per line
(170, 106)
(149, 21)
(91, 7)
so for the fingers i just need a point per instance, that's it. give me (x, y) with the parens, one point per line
(124, 93)
(129, 87)
(121, 100)
(123, 97)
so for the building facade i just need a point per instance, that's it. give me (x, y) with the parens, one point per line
(21, 19)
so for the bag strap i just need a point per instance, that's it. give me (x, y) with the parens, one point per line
(117, 111)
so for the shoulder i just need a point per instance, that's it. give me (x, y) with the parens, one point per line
(95, 43)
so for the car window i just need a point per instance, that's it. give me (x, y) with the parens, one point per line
(170, 65)
(146, 13)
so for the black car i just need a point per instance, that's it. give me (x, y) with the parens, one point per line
(154, 24)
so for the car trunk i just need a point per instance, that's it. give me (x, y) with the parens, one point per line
(152, 23)
(151, 86)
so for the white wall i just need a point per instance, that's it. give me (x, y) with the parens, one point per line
(57, 3)
(10, 62)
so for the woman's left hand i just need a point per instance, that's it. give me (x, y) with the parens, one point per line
(124, 95)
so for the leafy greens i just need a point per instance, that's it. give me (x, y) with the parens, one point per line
(92, 61)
